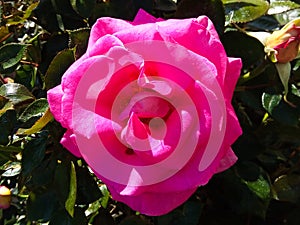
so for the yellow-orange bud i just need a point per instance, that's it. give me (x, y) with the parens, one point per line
(5, 197)
(283, 45)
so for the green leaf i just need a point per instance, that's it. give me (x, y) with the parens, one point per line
(34, 153)
(106, 196)
(242, 11)
(60, 217)
(7, 125)
(39, 124)
(252, 53)
(86, 193)
(16, 19)
(70, 203)
(83, 7)
(11, 169)
(277, 7)
(79, 40)
(287, 188)
(16, 93)
(4, 32)
(61, 62)
(40, 206)
(270, 101)
(35, 109)
(260, 187)
(10, 55)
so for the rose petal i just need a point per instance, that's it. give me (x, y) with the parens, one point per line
(54, 96)
(69, 142)
(143, 17)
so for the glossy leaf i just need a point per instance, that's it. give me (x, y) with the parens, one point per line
(165, 5)
(277, 7)
(16, 93)
(10, 55)
(244, 10)
(260, 187)
(35, 109)
(270, 101)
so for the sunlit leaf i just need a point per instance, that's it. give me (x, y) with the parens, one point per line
(241, 11)
(70, 202)
(21, 19)
(35, 109)
(106, 196)
(277, 7)
(39, 124)
(16, 93)
(12, 169)
(270, 101)
(260, 187)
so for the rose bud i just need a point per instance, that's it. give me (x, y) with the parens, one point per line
(283, 45)
(5, 197)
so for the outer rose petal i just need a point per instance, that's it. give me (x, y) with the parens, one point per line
(69, 142)
(143, 17)
(155, 204)
(54, 98)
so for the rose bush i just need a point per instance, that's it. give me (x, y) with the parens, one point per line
(148, 107)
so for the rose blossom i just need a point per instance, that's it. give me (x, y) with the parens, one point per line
(148, 107)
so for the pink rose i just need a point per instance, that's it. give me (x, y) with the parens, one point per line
(148, 107)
